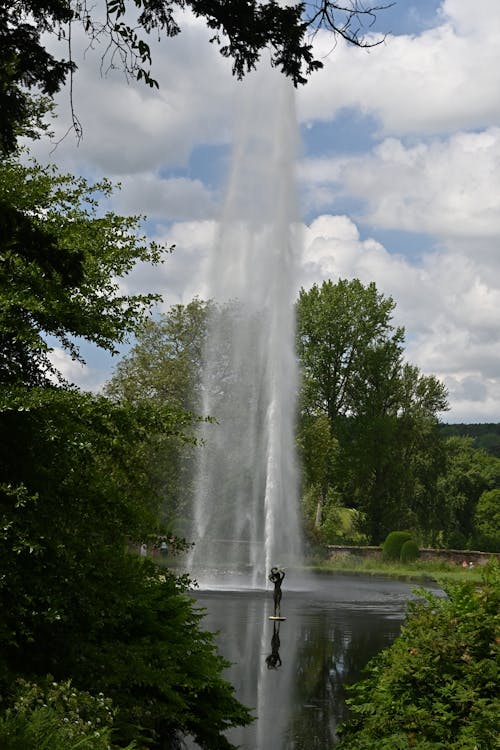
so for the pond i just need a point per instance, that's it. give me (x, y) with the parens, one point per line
(292, 674)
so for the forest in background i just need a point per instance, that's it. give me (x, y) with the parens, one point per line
(373, 453)
(486, 435)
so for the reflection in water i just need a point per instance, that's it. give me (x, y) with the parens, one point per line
(293, 673)
(273, 660)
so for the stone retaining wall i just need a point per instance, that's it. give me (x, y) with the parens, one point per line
(447, 555)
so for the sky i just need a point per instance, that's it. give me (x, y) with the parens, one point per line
(398, 176)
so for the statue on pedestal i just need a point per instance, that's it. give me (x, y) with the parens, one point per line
(276, 576)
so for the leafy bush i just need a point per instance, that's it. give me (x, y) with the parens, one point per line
(56, 716)
(437, 686)
(409, 551)
(73, 602)
(391, 548)
(142, 646)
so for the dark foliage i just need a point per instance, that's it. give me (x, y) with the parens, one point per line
(437, 686)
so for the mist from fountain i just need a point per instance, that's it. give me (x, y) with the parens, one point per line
(246, 516)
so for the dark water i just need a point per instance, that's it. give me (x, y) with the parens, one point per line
(293, 674)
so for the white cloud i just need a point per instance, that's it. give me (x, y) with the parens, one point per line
(474, 398)
(88, 378)
(447, 303)
(448, 187)
(440, 80)
(182, 276)
(174, 198)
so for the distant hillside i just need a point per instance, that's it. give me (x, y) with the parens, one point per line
(486, 435)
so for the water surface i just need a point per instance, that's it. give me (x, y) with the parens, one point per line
(293, 674)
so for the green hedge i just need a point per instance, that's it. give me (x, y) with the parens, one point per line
(409, 551)
(391, 548)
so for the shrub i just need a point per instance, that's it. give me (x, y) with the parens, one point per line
(391, 548)
(409, 551)
(437, 685)
(56, 715)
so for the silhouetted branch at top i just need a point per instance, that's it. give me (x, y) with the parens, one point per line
(242, 29)
(351, 20)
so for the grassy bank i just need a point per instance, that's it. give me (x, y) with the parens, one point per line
(416, 571)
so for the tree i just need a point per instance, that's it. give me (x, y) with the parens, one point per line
(242, 29)
(382, 412)
(486, 435)
(74, 603)
(60, 264)
(167, 365)
(317, 450)
(436, 686)
(393, 455)
(163, 370)
(164, 365)
(468, 473)
(487, 521)
(339, 327)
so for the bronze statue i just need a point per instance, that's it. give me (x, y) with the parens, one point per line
(276, 576)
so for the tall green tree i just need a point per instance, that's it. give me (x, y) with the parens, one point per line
(341, 329)
(381, 411)
(73, 488)
(163, 369)
(392, 454)
(166, 366)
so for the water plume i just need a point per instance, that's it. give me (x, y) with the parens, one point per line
(246, 506)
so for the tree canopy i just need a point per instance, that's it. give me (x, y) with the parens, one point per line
(75, 493)
(381, 411)
(164, 368)
(469, 473)
(61, 260)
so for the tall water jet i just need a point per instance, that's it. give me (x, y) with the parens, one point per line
(246, 507)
